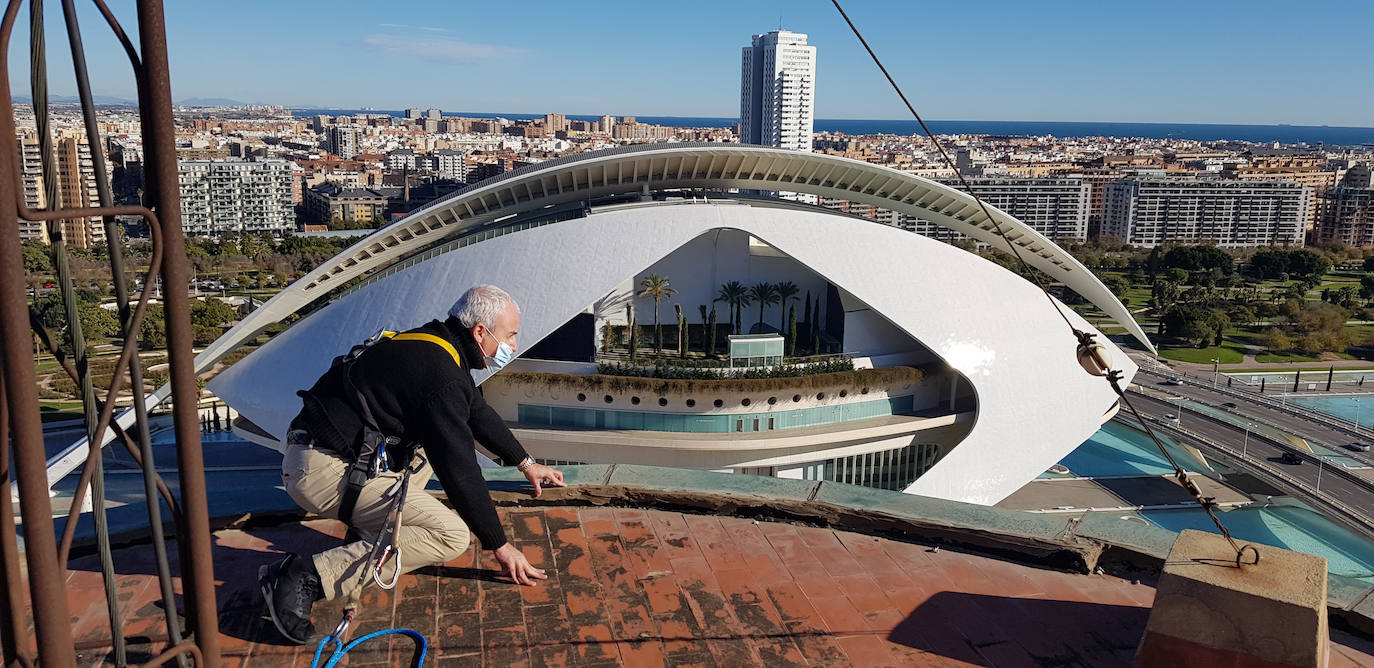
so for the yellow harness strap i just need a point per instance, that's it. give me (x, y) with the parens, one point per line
(421, 336)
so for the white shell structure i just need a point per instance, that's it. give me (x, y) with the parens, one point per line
(1013, 350)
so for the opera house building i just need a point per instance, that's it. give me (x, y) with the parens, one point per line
(676, 311)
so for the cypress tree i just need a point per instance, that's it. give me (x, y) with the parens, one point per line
(806, 319)
(677, 308)
(681, 332)
(701, 308)
(630, 324)
(816, 327)
(792, 331)
(711, 333)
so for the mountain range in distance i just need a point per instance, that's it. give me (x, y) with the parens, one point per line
(120, 101)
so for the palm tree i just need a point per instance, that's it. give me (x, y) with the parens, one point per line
(787, 291)
(656, 288)
(735, 295)
(766, 294)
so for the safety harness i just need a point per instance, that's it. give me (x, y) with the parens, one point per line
(375, 452)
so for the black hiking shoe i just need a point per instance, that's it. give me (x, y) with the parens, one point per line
(290, 587)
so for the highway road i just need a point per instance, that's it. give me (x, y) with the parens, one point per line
(1262, 453)
(1323, 430)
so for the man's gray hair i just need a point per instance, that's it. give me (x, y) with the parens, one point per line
(483, 303)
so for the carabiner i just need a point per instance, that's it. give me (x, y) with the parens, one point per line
(342, 628)
(391, 551)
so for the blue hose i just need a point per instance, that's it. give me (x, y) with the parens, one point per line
(340, 650)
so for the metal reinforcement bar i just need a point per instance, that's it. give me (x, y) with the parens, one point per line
(19, 414)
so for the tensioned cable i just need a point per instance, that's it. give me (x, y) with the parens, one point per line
(1085, 340)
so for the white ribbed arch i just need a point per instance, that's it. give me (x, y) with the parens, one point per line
(630, 169)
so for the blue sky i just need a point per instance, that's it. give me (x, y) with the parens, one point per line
(1218, 61)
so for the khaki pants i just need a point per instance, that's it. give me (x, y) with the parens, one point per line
(430, 533)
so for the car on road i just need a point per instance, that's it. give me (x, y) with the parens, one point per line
(1359, 447)
(1229, 404)
(1291, 458)
(1170, 416)
(1171, 381)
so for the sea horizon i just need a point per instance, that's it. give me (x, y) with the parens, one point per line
(1329, 135)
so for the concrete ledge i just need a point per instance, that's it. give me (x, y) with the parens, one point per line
(1209, 611)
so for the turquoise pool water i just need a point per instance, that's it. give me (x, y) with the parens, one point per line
(1118, 450)
(1293, 527)
(1344, 408)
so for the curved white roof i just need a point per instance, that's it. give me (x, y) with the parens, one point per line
(1034, 402)
(638, 168)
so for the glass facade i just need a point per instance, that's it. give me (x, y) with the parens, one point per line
(592, 418)
(888, 469)
(749, 350)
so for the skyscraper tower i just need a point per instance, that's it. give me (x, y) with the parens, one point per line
(342, 140)
(778, 91)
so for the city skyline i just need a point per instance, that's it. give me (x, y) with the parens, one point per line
(1193, 64)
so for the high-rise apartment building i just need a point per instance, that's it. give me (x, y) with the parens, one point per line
(74, 187)
(778, 91)
(229, 196)
(434, 113)
(401, 158)
(450, 164)
(1346, 215)
(342, 140)
(1055, 207)
(413, 113)
(555, 123)
(1148, 211)
(605, 124)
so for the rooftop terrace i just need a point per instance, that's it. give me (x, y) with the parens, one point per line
(705, 569)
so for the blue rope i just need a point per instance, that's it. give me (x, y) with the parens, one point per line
(340, 649)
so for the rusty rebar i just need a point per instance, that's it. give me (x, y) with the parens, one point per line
(52, 623)
(12, 614)
(155, 108)
(116, 255)
(57, 242)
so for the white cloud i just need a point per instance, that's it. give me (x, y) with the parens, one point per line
(403, 26)
(440, 49)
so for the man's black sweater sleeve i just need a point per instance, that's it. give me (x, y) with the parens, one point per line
(492, 432)
(449, 444)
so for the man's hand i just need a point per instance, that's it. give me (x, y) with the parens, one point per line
(514, 564)
(538, 475)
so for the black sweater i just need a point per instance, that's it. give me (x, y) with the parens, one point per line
(417, 393)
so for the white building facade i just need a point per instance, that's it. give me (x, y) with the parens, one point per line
(1148, 211)
(778, 91)
(230, 196)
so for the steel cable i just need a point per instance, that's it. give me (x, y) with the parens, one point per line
(1085, 340)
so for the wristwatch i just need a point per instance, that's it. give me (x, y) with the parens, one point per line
(528, 462)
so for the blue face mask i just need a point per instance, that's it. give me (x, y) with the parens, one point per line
(504, 354)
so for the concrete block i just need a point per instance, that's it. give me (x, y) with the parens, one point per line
(1207, 612)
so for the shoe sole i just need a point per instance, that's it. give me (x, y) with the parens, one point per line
(265, 585)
